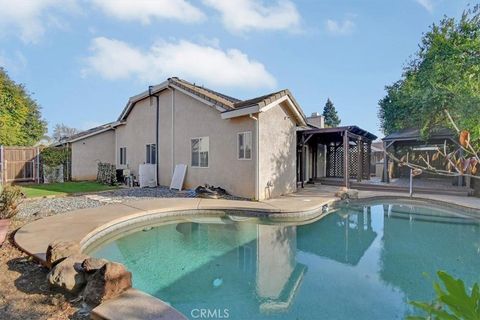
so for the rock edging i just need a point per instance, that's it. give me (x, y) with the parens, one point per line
(93, 280)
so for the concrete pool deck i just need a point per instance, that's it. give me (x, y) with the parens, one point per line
(82, 225)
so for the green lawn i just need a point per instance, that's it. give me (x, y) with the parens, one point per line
(59, 189)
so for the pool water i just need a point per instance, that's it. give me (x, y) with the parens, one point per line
(356, 263)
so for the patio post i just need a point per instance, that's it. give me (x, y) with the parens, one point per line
(346, 171)
(385, 177)
(302, 160)
(359, 159)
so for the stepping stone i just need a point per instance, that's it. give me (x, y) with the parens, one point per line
(102, 199)
(4, 224)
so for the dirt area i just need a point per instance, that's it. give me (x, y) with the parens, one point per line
(24, 291)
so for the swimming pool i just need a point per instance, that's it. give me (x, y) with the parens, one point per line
(363, 262)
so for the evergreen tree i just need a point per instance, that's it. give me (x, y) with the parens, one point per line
(330, 113)
(21, 122)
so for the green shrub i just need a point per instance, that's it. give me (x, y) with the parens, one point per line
(453, 302)
(53, 156)
(10, 199)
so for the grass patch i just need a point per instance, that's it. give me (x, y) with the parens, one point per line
(61, 189)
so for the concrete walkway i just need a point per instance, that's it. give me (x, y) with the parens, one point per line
(81, 225)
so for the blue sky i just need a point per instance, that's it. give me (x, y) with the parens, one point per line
(83, 59)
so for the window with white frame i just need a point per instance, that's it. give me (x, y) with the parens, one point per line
(200, 148)
(245, 145)
(123, 155)
(151, 153)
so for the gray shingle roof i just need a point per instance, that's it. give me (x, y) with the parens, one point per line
(414, 134)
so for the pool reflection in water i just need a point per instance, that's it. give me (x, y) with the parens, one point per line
(361, 264)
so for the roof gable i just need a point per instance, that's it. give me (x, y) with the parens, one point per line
(222, 102)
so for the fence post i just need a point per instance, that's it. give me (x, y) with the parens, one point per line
(1, 165)
(38, 164)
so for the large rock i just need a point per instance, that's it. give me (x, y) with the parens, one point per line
(91, 265)
(106, 283)
(58, 250)
(345, 193)
(68, 274)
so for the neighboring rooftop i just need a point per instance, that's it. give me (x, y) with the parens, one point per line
(415, 134)
(89, 132)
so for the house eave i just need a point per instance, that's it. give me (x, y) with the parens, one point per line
(301, 121)
(110, 127)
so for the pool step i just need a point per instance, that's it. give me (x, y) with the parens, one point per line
(135, 305)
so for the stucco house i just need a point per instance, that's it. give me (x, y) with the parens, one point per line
(248, 147)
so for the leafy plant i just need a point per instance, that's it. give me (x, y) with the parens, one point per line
(453, 301)
(444, 74)
(21, 122)
(10, 199)
(53, 157)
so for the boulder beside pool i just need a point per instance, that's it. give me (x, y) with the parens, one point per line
(59, 250)
(68, 275)
(91, 265)
(107, 283)
(345, 193)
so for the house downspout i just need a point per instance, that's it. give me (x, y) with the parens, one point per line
(257, 157)
(157, 123)
(173, 130)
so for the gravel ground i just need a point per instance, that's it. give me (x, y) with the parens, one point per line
(43, 207)
(37, 208)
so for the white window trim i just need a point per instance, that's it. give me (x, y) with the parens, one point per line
(199, 167)
(238, 147)
(146, 160)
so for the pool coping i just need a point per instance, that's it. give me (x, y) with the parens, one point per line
(92, 224)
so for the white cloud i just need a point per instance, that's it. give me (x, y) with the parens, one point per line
(344, 27)
(248, 15)
(147, 10)
(210, 65)
(427, 4)
(30, 18)
(13, 64)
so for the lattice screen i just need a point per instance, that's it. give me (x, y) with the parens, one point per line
(335, 161)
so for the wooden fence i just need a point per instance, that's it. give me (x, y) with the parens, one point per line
(19, 164)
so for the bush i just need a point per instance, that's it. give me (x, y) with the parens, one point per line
(453, 301)
(107, 174)
(53, 156)
(10, 199)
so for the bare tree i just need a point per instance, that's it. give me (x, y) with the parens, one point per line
(462, 161)
(61, 132)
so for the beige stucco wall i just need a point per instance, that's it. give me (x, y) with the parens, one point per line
(138, 131)
(86, 154)
(277, 152)
(193, 119)
(182, 118)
